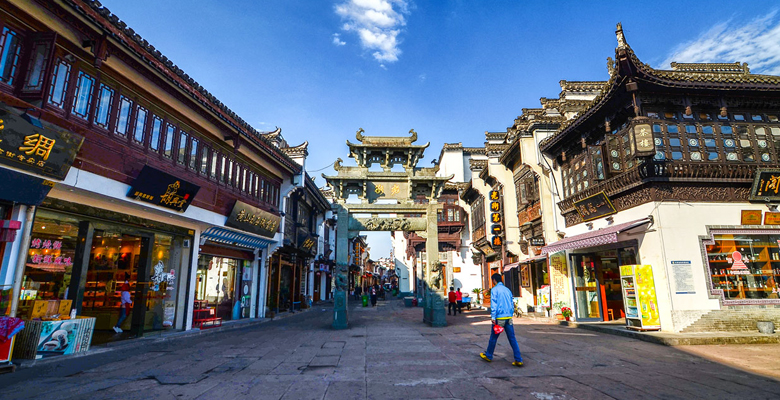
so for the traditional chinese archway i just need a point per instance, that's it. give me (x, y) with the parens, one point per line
(415, 191)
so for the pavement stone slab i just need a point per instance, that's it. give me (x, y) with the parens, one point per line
(388, 353)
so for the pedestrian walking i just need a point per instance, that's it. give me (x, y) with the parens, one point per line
(358, 292)
(125, 305)
(373, 295)
(459, 300)
(453, 305)
(501, 310)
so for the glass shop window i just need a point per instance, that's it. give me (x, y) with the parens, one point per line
(597, 161)
(50, 258)
(658, 141)
(692, 140)
(161, 298)
(745, 144)
(83, 98)
(214, 163)
(775, 132)
(762, 144)
(104, 103)
(756, 117)
(194, 154)
(170, 132)
(675, 143)
(154, 142)
(204, 160)
(182, 153)
(139, 130)
(745, 266)
(39, 60)
(729, 145)
(123, 117)
(9, 55)
(739, 117)
(59, 83)
(710, 144)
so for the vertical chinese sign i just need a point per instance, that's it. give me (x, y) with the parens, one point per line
(558, 276)
(496, 228)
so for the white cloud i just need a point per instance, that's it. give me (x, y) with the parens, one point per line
(756, 42)
(377, 24)
(337, 40)
(422, 77)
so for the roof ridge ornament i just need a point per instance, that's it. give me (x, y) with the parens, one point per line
(414, 135)
(621, 38)
(359, 134)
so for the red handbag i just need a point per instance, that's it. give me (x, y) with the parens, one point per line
(497, 329)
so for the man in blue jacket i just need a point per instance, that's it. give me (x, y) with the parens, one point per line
(501, 310)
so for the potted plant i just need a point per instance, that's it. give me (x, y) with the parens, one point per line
(566, 312)
(477, 292)
(558, 309)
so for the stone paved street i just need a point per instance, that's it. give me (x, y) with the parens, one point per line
(389, 354)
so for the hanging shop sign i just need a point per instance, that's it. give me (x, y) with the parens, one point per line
(27, 144)
(162, 189)
(750, 217)
(253, 219)
(307, 243)
(766, 185)
(642, 137)
(594, 207)
(495, 216)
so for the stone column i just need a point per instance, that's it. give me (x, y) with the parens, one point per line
(341, 287)
(434, 299)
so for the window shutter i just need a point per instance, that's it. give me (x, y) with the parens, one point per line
(36, 65)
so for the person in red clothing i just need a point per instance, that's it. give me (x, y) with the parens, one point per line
(459, 299)
(453, 302)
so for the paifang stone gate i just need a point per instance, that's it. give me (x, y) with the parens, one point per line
(414, 191)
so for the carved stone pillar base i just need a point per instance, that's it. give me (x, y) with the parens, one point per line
(438, 310)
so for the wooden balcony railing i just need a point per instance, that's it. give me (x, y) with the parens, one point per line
(669, 171)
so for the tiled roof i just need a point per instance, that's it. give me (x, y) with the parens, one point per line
(119, 30)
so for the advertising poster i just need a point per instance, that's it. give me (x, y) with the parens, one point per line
(645, 286)
(59, 337)
(543, 294)
(558, 276)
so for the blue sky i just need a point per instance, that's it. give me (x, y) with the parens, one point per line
(449, 69)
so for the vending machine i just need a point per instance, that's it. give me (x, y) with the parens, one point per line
(639, 297)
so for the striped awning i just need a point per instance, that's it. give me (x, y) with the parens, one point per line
(600, 237)
(510, 266)
(235, 238)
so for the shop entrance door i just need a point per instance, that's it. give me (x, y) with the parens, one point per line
(598, 295)
(586, 288)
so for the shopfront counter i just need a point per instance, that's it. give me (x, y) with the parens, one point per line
(42, 339)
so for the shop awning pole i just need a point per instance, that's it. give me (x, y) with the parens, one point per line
(21, 260)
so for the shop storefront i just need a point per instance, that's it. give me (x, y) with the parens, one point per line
(744, 265)
(596, 282)
(593, 271)
(224, 281)
(92, 256)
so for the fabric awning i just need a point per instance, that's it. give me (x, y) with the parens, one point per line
(510, 266)
(534, 258)
(596, 238)
(231, 237)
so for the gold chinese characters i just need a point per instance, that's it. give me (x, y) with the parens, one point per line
(257, 220)
(37, 144)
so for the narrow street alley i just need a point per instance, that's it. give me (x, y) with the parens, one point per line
(388, 353)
